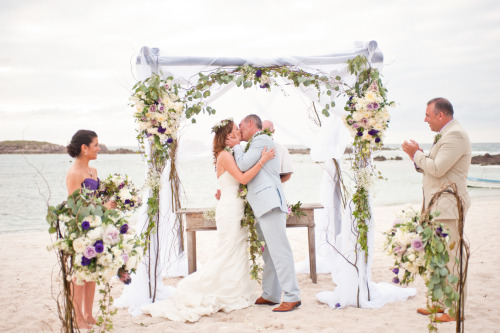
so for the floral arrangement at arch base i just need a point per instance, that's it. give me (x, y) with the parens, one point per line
(420, 248)
(92, 243)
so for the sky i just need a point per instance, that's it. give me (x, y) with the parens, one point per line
(67, 65)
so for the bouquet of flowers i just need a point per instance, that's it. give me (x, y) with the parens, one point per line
(421, 248)
(99, 241)
(294, 209)
(121, 190)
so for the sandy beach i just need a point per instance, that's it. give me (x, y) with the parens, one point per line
(29, 275)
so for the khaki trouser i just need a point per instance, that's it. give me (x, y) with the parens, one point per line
(454, 241)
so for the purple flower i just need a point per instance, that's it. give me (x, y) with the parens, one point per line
(417, 244)
(395, 280)
(359, 134)
(124, 229)
(258, 73)
(377, 140)
(161, 129)
(161, 108)
(85, 225)
(372, 106)
(152, 108)
(373, 132)
(99, 246)
(337, 305)
(170, 140)
(124, 257)
(121, 186)
(127, 202)
(167, 86)
(86, 261)
(355, 125)
(439, 232)
(398, 250)
(395, 270)
(90, 252)
(265, 85)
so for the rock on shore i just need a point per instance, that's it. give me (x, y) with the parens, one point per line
(486, 159)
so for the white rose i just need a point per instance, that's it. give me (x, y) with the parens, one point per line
(411, 257)
(131, 263)
(95, 234)
(124, 194)
(108, 274)
(79, 245)
(117, 252)
(93, 220)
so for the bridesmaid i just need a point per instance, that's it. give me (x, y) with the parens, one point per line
(84, 147)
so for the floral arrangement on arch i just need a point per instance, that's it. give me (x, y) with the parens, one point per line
(367, 119)
(158, 111)
(93, 243)
(121, 190)
(420, 248)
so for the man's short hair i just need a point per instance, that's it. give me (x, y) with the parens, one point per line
(256, 120)
(442, 105)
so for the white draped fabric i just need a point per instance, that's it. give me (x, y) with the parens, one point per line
(326, 142)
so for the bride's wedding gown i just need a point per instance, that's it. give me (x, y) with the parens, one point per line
(223, 283)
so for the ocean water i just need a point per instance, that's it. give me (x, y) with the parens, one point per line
(28, 183)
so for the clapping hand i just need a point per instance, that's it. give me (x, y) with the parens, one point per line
(410, 148)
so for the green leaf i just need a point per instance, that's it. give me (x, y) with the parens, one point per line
(440, 247)
(438, 293)
(329, 92)
(443, 271)
(52, 230)
(247, 84)
(206, 94)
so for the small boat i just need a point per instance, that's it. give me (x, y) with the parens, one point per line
(483, 183)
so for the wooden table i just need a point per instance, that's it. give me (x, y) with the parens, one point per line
(194, 221)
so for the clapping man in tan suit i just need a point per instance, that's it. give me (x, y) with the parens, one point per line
(447, 163)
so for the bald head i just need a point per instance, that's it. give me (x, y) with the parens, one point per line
(267, 124)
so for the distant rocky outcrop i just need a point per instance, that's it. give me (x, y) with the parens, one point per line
(383, 158)
(486, 159)
(42, 147)
(30, 147)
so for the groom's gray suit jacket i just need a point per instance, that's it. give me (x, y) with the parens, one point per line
(264, 190)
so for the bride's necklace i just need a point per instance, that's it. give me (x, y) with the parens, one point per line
(90, 173)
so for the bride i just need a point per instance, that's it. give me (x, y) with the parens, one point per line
(223, 283)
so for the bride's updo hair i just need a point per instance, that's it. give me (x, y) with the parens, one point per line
(221, 134)
(82, 137)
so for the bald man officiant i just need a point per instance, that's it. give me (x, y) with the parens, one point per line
(447, 163)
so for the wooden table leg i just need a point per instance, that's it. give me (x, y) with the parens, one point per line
(312, 254)
(191, 248)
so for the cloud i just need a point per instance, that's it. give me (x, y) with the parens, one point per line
(66, 65)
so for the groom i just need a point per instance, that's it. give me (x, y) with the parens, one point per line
(267, 199)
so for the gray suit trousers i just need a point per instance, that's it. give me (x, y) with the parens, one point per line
(279, 269)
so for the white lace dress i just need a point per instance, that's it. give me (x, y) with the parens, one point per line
(223, 283)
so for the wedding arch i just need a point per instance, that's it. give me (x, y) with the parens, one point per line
(186, 87)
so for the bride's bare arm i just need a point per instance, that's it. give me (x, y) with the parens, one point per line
(226, 161)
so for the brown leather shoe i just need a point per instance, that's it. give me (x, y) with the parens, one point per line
(263, 301)
(287, 306)
(427, 312)
(445, 318)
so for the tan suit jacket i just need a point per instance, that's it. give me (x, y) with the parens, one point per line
(448, 162)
